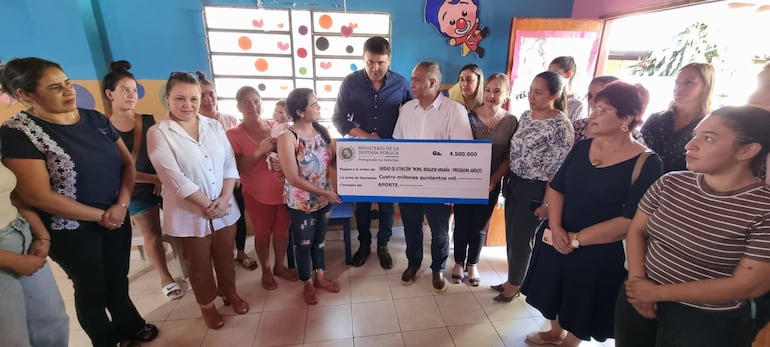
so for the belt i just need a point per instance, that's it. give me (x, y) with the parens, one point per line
(517, 178)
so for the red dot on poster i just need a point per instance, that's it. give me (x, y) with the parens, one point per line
(244, 43)
(325, 21)
(302, 53)
(261, 65)
(328, 88)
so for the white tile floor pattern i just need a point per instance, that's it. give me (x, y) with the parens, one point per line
(373, 308)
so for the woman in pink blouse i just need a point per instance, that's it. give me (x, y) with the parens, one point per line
(262, 187)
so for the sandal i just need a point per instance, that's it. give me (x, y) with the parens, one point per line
(498, 287)
(211, 316)
(148, 333)
(456, 277)
(285, 273)
(536, 338)
(309, 295)
(239, 305)
(473, 275)
(503, 298)
(172, 291)
(331, 286)
(247, 263)
(268, 281)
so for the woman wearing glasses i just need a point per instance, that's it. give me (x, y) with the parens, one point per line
(196, 166)
(577, 262)
(72, 166)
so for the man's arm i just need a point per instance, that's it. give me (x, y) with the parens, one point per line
(343, 108)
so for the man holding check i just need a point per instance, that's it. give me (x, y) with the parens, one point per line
(367, 107)
(430, 116)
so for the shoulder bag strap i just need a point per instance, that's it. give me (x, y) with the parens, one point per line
(638, 167)
(137, 136)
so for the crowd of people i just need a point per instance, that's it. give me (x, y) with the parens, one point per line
(683, 199)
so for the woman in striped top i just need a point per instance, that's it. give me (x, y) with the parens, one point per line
(699, 245)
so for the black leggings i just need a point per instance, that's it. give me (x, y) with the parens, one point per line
(96, 260)
(240, 225)
(471, 228)
(679, 325)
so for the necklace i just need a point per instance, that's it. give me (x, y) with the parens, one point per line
(599, 153)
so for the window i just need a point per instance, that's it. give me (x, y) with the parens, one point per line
(277, 50)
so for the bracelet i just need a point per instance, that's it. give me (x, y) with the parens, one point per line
(123, 205)
(42, 239)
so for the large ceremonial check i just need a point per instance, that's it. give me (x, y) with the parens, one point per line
(417, 171)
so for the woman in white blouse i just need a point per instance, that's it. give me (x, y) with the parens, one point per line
(196, 165)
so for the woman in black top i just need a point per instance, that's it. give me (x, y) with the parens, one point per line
(120, 88)
(72, 167)
(576, 267)
(668, 131)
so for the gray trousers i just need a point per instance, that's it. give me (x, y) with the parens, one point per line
(520, 224)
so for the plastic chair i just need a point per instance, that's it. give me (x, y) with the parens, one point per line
(341, 215)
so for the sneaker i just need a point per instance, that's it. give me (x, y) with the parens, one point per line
(385, 260)
(361, 255)
(409, 276)
(438, 282)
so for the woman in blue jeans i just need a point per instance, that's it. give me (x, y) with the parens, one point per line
(29, 298)
(305, 153)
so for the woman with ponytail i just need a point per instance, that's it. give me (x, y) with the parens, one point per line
(305, 152)
(538, 147)
(120, 88)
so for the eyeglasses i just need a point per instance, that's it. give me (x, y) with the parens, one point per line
(601, 109)
(183, 76)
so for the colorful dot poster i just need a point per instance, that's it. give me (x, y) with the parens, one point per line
(277, 50)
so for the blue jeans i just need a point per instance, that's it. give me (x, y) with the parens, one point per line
(29, 303)
(438, 220)
(364, 223)
(309, 232)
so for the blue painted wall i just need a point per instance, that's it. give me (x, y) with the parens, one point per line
(50, 29)
(160, 36)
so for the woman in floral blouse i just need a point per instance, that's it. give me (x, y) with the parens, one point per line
(538, 147)
(305, 153)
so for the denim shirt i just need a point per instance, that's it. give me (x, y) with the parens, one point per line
(360, 106)
(15, 236)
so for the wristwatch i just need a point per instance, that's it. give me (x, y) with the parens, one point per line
(575, 243)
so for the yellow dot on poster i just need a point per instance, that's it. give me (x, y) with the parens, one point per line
(261, 65)
(325, 21)
(244, 43)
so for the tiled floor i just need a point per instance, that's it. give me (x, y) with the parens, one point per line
(373, 308)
